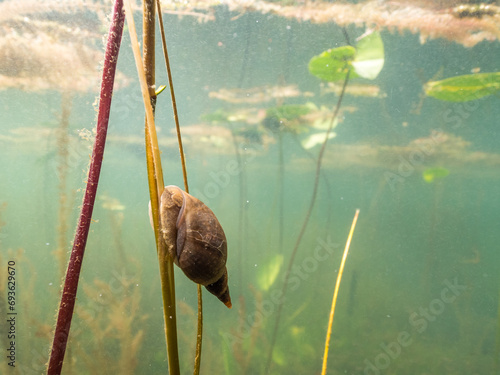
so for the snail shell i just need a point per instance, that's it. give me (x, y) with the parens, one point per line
(195, 240)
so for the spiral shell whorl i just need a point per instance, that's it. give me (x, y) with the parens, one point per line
(195, 240)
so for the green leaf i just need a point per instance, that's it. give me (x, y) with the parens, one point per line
(269, 272)
(464, 88)
(369, 59)
(333, 64)
(430, 174)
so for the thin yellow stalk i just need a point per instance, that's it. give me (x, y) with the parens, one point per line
(199, 334)
(336, 292)
(172, 95)
(155, 179)
(199, 331)
(145, 94)
(307, 216)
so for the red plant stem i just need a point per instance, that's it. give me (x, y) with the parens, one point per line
(75, 263)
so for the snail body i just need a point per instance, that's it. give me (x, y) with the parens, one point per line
(195, 240)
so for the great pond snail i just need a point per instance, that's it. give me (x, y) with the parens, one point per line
(195, 240)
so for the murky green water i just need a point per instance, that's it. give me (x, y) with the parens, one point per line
(419, 293)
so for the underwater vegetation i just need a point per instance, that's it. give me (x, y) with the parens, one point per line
(464, 88)
(288, 119)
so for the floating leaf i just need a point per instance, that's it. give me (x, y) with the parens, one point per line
(369, 59)
(269, 272)
(333, 64)
(464, 88)
(431, 174)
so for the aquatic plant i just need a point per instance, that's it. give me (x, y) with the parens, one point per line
(303, 229)
(430, 174)
(115, 329)
(48, 47)
(464, 88)
(146, 74)
(72, 276)
(332, 65)
(336, 293)
(191, 236)
(366, 60)
(353, 164)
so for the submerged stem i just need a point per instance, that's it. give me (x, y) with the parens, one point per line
(336, 292)
(172, 95)
(68, 297)
(199, 334)
(304, 225)
(156, 185)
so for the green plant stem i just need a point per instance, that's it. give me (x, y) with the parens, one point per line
(172, 95)
(67, 305)
(304, 226)
(156, 185)
(199, 331)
